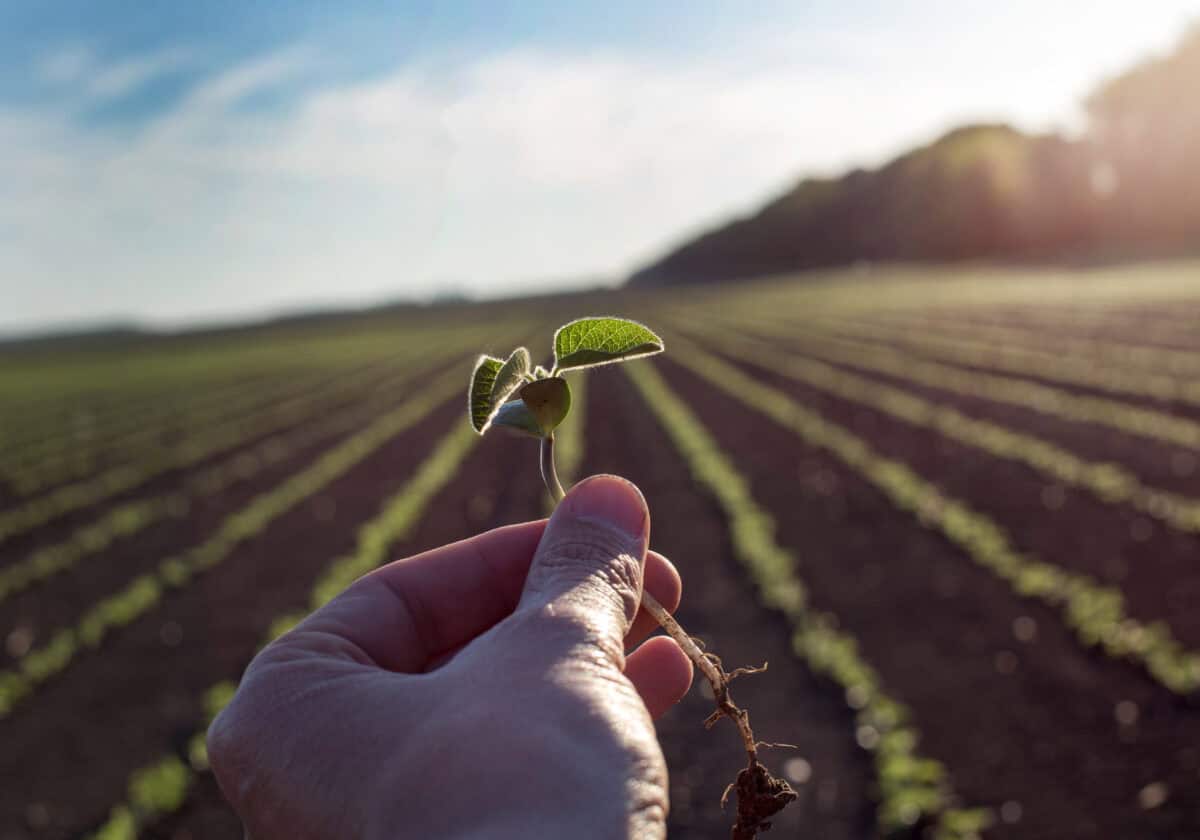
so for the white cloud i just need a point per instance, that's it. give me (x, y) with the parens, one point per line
(65, 64)
(77, 70)
(126, 76)
(518, 165)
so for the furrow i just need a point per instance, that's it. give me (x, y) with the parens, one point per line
(913, 787)
(1096, 614)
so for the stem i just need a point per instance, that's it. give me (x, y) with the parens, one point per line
(710, 667)
(549, 473)
(707, 663)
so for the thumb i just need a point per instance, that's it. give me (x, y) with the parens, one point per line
(588, 565)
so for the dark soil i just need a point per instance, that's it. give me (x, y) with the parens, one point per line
(1181, 408)
(173, 423)
(497, 485)
(42, 609)
(1029, 725)
(1172, 328)
(1160, 465)
(1156, 567)
(787, 704)
(18, 546)
(118, 709)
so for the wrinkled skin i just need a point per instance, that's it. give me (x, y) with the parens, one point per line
(477, 690)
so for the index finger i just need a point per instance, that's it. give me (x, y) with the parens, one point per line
(413, 613)
(410, 611)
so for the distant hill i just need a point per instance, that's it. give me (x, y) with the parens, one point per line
(1128, 187)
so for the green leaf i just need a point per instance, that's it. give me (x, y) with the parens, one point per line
(480, 398)
(540, 372)
(541, 408)
(601, 341)
(515, 415)
(511, 376)
(549, 400)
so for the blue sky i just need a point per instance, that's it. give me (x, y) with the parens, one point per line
(174, 162)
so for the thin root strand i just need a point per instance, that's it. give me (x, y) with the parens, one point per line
(759, 794)
(742, 672)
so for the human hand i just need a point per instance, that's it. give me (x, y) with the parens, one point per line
(477, 690)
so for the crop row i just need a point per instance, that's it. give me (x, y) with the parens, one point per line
(1108, 351)
(1095, 613)
(1022, 361)
(1129, 419)
(1120, 336)
(66, 425)
(143, 593)
(161, 787)
(59, 460)
(43, 509)
(1166, 290)
(28, 427)
(41, 391)
(93, 432)
(1108, 482)
(200, 391)
(131, 517)
(1165, 326)
(913, 788)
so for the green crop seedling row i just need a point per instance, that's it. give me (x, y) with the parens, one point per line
(161, 787)
(1129, 419)
(1108, 482)
(130, 518)
(1095, 613)
(210, 393)
(195, 401)
(198, 408)
(145, 592)
(281, 396)
(913, 788)
(119, 479)
(1023, 361)
(35, 389)
(1108, 352)
(1119, 333)
(144, 441)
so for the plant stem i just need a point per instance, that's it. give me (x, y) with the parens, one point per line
(549, 472)
(708, 664)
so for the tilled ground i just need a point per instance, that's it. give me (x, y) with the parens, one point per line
(497, 485)
(787, 704)
(139, 695)
(40, 610)
(1155, 566)
(1058, 740)
(1030, 723)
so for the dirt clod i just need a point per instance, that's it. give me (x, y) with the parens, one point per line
(760, 796)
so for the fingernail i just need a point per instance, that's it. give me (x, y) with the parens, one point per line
(613, 500)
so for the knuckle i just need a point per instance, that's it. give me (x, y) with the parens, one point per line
(600, 554)
(573, 632)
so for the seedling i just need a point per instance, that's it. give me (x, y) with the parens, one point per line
(533, 401)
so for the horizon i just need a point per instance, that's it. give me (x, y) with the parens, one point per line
(177, 166)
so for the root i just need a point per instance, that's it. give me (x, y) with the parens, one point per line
(760, 795)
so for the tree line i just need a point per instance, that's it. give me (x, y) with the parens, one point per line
(1128, 187)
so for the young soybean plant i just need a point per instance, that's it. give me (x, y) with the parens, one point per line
(533, 401)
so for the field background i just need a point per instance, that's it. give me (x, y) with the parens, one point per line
(955, 508)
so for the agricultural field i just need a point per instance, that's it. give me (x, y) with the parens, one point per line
(957, 510)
